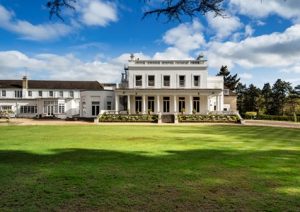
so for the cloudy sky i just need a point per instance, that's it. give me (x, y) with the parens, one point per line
(259, 41)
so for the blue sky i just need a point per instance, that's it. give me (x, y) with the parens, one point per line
(259, 41)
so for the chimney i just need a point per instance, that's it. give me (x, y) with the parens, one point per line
(25, 83)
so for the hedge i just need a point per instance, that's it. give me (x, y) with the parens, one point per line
(209, 118)
(277, 118)
(128, 118)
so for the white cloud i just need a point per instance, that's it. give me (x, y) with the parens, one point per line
(223, 26)
(97, 12)
(29, 31)
(183, 40)
(13, 64)
(258, 9)
(277, 50)
(245, 76)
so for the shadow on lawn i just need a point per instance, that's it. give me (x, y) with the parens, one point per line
(84, 179)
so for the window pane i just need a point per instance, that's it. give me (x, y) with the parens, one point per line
(151, 80)
(138, 80)
(181, 81)
(166, 80)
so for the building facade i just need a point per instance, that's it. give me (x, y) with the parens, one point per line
(147, 86)
(169, 87)
(44, 98)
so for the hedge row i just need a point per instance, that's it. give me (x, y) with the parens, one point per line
(128, 118)
(209, 118)
(277, 118)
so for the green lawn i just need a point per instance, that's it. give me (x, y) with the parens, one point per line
(165, 168)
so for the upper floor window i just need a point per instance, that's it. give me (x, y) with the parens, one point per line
(151, 80)
(166, 80)
(40, 93)
(71, 93)
(29, 93)
(18, 94)
(51, 93)
(196, 81)
(3, 93)
(61, 93)
(138, 80)
(181, 80)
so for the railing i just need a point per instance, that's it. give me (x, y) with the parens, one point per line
(169, 62)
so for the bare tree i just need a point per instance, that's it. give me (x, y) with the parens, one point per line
(172, 9)
(175, 9)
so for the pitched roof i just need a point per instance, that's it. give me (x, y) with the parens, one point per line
(52, 84)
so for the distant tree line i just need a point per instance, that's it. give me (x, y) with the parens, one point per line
(277, 99)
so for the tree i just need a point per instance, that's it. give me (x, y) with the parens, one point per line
(292, 105)
(280, 91)
(267, 98)
(229, 81)
(252, 95)
(240, 92)
(172, 9)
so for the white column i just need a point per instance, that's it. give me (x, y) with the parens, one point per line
(191, 105)
(117, 98)
(217, 103)
(222, 101)
(144, 104)
(175, 104)
(158, 104)
(128, 104)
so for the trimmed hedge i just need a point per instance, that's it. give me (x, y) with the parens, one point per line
(209, 118)
(128, 118)
(277, 118)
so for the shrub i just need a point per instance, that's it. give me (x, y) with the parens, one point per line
(208, 118)
(128, 118)
(278, 118)
(250, 115)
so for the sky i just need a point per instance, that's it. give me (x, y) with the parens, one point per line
(259, 41)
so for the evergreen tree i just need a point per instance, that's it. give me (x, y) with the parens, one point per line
(229, 81)
(267, 97)
(280, 91)
(240, 92)
(251, 98)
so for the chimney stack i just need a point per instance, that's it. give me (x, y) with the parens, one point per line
(25, 83)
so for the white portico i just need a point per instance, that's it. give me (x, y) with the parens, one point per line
(168, 87)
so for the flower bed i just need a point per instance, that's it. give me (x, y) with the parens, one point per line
(128, 118)
(209, 118)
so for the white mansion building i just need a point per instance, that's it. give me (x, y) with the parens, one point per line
(156, 86)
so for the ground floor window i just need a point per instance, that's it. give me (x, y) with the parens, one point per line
(138, 104)
(181, 104)
(166, 104)
(108, 105)
(61, 108)
(5, 108)
(196, 104)
(28, 109)
(151, 103)
(95, 108)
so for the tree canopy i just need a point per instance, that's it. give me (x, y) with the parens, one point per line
(230, 81)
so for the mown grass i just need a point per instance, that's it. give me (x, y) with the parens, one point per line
(149, 168)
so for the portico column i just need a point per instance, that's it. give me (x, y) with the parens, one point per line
(158, 104)
(222, 101)
(175, 104)
(128, 104)
(217, 103)
(144, 104)
(117, 103)
(191, 105)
